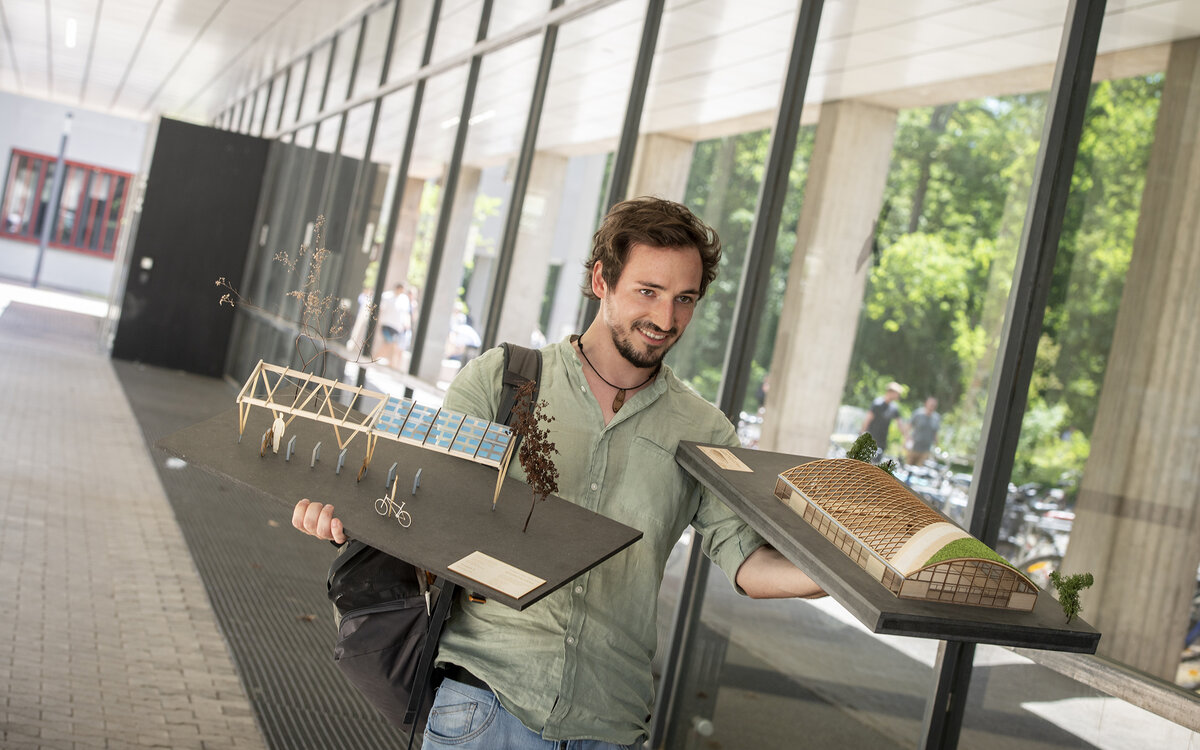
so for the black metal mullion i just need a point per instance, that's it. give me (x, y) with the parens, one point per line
(622, 165)
(335, 164)
(739, 353)
(253, 109)
(1009, 390)
(303, 86)
(772, 195)
(287, 82)
(512, 221)
(414, 118)
(335, 158)
(359, 205)
(262, 123)
(445, 213)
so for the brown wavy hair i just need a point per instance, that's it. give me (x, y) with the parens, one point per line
(655, 222)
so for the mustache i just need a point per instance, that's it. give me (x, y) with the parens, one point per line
(643, 325)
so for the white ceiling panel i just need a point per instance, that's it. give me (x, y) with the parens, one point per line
(717, 60)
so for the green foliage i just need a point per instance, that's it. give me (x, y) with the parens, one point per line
(1068, 591)
(935, 302)
(936, 297)
(863, 449)
(722, 189)
(967, 546)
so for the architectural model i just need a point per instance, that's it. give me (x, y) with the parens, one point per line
(902, 543)
(291, 393)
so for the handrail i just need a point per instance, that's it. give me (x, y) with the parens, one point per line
(1132, 685)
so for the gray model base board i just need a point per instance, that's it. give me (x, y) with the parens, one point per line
(751, 495)
(451, 511)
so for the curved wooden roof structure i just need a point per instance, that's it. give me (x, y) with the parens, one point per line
(889, 532)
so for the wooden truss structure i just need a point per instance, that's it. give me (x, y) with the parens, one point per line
(289, 394)
(889, 532)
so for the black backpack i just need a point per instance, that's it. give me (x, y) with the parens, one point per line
(390, 613)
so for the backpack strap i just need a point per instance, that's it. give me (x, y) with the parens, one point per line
(521, 365)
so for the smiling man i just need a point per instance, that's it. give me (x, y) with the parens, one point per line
(572, 672)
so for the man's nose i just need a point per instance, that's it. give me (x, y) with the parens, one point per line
(663, 314)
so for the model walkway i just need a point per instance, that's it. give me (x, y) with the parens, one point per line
(129, 587)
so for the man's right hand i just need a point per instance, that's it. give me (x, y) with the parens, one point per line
(316, 519)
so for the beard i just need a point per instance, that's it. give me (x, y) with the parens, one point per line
(623, 340)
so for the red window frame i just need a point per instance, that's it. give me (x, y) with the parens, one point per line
(86, 223)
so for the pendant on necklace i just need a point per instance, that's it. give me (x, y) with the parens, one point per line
(618, 400)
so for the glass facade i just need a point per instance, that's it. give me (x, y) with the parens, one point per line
(456, 204)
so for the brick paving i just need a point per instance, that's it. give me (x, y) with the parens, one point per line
(107, 636)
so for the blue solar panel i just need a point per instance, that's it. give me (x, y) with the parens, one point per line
(445, 427)
(391, 419)
(495, 443)
(416, 427)
(470, 435)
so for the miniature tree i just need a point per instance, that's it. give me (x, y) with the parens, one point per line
(1068, 588)
(865, 448)
(529, 422)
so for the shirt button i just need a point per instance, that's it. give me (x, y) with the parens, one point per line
(583, 388)
(595, 486)
(579, 589)
(570, 640)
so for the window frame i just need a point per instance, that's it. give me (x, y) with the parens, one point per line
(91, 236)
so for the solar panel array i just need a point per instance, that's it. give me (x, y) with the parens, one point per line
(479, 440)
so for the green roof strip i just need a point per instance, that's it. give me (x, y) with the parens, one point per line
(967, 547)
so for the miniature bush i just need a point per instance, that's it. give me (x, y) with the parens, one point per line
(1068, 591)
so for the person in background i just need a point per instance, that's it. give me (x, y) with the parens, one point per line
(923, 428)
(884, 410)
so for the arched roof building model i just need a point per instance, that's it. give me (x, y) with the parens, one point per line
(889, 532)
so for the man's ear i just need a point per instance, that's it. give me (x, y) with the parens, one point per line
(599, 287)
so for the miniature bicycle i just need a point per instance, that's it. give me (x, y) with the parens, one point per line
(387, 506)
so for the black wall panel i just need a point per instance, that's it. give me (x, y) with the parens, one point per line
(196, 219)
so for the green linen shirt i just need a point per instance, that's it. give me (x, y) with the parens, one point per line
(576, 665)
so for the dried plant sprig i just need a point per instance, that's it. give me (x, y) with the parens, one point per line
(322, 316)
(536, 449)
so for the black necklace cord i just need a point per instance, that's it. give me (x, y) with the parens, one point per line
(619, 399)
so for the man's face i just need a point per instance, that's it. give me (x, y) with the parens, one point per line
(931, 405)
(652, 302)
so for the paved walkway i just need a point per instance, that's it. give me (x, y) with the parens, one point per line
(107, 637)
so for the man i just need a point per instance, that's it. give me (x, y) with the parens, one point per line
(573, 670)
(395, 324)
(923, 428)
(883, 410)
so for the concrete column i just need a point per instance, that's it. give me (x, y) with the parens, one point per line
(445, 293)
(406, 232)
(577, 217)
(533, 250)
(1137, 528)
(846, 178)
(660, 167)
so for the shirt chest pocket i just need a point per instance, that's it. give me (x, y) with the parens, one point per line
(657, 496)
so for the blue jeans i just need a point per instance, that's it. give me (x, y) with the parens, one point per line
(470, 718)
